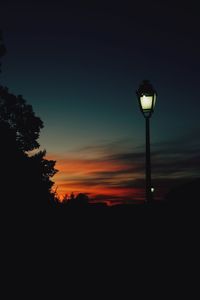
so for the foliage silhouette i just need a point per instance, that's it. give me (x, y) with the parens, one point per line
(81, 200)
(24, 177)
(21, 119)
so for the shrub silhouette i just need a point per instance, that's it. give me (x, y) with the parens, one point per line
(81, 200)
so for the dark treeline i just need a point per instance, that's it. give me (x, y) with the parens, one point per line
(182, 197)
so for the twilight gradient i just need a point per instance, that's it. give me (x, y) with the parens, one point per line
(79, 66)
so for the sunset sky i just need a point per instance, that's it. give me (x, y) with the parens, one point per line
(78, 63)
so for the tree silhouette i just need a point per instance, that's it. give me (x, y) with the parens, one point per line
(24, 176)
(21, 119)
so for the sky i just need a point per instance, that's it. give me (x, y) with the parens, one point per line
(79, 64)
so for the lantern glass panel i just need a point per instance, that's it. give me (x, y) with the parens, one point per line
(146, 102)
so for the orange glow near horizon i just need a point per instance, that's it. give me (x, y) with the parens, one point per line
(100, 179)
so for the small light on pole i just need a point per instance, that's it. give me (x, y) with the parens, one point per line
(152, 189)
(147, 99)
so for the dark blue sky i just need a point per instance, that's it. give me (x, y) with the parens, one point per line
(79, 65)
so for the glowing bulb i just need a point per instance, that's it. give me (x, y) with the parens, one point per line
(146, 102)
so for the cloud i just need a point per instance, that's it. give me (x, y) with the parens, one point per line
(110, 172)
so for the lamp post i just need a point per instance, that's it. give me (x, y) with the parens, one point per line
(147, 99)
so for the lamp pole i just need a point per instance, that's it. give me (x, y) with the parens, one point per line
(147, 99)
(148, 162)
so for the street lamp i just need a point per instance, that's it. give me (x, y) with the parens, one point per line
(147, 99)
